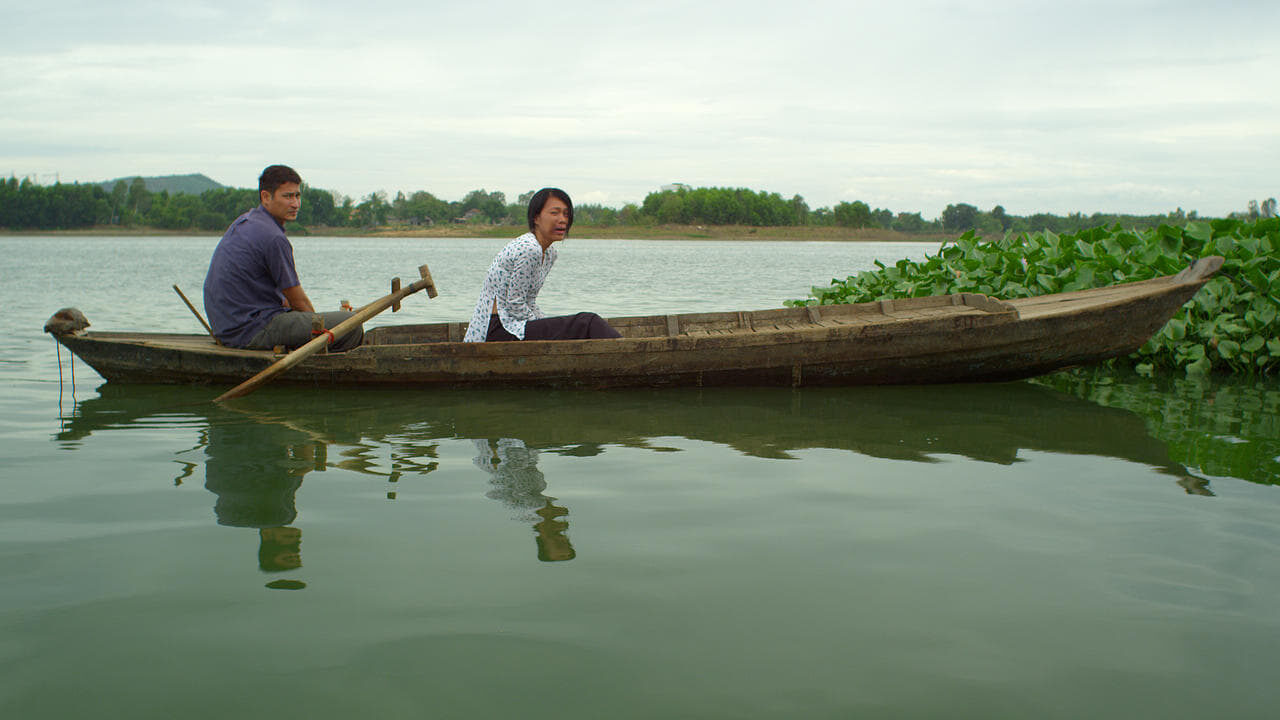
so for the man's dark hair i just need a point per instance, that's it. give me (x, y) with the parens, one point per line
(275, 176)
(539, 201)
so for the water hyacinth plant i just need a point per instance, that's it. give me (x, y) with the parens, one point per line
(1231, 325)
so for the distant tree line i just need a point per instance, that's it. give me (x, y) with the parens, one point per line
(27, 205)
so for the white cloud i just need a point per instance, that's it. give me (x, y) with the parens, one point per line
(1138, 106)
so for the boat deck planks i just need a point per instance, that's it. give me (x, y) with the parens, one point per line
(1068, 302)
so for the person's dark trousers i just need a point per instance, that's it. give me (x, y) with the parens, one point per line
(293, 330)
(583, 326)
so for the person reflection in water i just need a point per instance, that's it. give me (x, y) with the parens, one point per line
(255, 470)
(279, 549)
(518, 484)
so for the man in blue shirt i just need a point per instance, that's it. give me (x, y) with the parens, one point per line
(252, 294)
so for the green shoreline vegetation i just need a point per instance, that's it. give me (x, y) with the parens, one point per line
(1232, 325)
(675, 212)
(734, 233)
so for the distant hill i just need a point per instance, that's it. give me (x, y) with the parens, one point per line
(193, 184)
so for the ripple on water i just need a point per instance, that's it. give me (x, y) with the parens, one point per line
(1165, 581)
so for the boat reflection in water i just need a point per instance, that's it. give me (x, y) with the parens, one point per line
(258, 448)
(255, 470)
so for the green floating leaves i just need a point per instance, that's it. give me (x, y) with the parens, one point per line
(1232, 325)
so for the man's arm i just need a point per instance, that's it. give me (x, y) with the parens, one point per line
(296, 298)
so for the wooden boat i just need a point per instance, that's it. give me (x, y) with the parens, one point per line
(949, 338)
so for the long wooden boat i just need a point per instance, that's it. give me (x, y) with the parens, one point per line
(949, 338)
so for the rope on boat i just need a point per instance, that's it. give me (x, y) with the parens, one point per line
(58, 350)
(66, 321)
(71, 360)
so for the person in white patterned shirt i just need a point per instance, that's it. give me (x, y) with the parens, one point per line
(507, 308)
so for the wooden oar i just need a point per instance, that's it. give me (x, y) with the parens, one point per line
(342, 328)
(196, 312)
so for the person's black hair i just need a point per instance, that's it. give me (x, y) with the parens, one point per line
(539, 201)
(275, 176)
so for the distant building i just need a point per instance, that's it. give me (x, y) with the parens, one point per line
(473, 215)
(674, 187)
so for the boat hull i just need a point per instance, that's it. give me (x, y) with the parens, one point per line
(945, 339)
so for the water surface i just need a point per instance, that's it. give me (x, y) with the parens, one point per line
(1089, 545)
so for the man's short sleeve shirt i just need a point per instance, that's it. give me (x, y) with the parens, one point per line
(252, 264)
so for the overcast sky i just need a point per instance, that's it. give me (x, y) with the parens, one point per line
(1115, 106)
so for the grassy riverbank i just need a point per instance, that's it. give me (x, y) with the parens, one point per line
(630, 232)
(661, 232)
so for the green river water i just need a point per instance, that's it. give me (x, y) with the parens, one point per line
(1089, 544)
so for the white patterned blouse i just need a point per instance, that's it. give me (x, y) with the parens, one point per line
(513, 280)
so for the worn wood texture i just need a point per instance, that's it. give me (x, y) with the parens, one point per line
(953, 338)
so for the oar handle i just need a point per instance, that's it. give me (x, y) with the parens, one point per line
(337, 331)
(196, 312)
